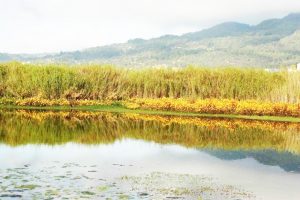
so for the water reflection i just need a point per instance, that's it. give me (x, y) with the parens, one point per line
(19, 128)
(285, 160)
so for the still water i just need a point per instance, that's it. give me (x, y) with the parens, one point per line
(82, 155)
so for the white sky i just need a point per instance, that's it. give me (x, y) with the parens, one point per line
(36, 26)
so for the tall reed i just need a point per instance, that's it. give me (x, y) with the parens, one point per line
(106, 82)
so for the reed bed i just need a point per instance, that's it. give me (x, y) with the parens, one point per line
(94, 82)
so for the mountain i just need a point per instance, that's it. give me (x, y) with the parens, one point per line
(272, 43)
(283, 27)
(221, 30)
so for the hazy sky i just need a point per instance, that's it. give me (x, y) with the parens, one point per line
(35, 26)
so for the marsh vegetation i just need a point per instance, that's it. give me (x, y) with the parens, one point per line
(94, 82)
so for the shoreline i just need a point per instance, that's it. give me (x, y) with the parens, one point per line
(120, 109)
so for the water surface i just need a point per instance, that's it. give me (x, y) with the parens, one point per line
(127, 156)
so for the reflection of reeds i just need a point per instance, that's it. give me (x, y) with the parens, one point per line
(24, 127)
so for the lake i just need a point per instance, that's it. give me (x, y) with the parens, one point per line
(93, 155)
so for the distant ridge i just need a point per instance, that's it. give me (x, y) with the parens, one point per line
(272, 43)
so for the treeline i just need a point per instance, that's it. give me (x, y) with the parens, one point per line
(94, 82)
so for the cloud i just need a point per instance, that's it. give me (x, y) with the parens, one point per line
(33, 26)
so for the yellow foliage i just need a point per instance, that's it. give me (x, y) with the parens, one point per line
(57, 102)
(207, 106)
(219, 106)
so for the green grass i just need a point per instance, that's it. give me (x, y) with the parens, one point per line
(120, 109)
